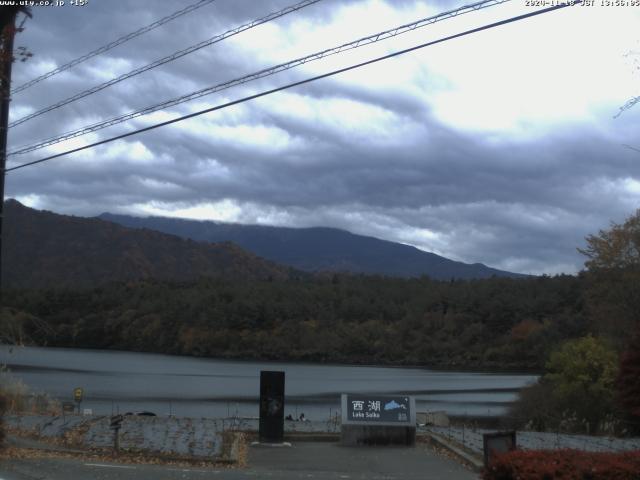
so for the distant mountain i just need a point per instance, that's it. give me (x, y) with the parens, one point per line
(318, 249)
(42, 248)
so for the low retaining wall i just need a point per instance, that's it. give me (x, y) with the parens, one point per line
(165, 435)
(471, 438)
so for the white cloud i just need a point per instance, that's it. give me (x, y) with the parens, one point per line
(497, 148)
(225, 210)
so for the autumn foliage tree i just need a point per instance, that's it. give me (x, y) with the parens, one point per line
(613, 272)
(616, 248)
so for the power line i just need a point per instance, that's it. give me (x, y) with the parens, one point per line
(631, 148)
(301, 82)
(627, 106)
(168, 58)
(115, 43)
(261, 74)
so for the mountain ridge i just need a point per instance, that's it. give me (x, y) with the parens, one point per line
(318, 249)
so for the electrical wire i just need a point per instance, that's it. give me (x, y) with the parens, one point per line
(301, 82)
(115, 43)
(627, 106)
(631, 148)
(167, 59)
(261, 74)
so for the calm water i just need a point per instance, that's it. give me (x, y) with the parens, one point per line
(186, 386)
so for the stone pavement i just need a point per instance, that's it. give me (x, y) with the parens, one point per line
(330, 460)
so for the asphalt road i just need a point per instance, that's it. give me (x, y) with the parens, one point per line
(304, 460)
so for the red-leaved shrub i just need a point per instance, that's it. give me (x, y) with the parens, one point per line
(628, 383)
(563, 464)
(3, 405)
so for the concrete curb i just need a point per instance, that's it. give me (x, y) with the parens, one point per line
(293, 437)
(270, 445)
(475, 462)
(312, 437)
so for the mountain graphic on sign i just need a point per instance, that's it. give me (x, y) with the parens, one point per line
(393, 405)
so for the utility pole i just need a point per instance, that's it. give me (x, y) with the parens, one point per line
(8, 33)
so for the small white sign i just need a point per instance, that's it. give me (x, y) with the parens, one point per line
(87, 411)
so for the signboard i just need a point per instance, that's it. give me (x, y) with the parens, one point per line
(499, 442)
(378, 409)
(271, 406)
(68, 407)
(77, 394)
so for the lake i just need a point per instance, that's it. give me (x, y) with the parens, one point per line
(118, 382)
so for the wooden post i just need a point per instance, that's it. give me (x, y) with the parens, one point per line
(8, 34)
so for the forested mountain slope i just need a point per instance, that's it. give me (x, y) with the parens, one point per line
(43, 249)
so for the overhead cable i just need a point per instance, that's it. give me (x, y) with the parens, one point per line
(260, 74)
(115, 43)
(301, 82)
(631, 148)
(627, 106)
(167, 59)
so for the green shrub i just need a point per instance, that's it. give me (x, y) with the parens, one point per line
(576, 393)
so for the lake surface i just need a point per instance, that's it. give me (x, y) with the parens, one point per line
(118, 382)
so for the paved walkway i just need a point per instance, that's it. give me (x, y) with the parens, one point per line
(308, 460)
(330, 460)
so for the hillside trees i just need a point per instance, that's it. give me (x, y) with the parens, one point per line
(356, 319)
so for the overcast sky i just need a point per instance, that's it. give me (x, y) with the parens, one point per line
(500, 147)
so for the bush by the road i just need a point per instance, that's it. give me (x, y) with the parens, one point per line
(576, 393)
(564, 464)
(17, 398)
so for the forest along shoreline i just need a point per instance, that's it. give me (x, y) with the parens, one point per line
(497, 324)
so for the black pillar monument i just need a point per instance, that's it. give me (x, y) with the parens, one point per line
(271, 407)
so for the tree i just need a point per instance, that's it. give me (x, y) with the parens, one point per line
(576, 392)
(582, 374)
(616, 248)
(613, 273)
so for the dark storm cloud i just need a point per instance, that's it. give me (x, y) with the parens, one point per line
(394, 170)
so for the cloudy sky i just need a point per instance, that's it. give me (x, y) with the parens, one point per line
(500, 147)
